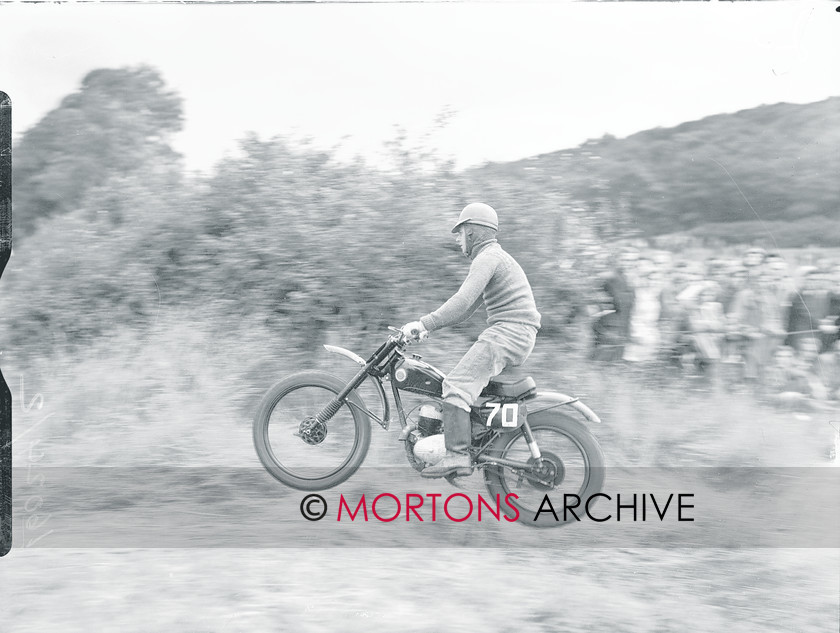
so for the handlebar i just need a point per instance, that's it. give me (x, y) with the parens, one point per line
(404, 339)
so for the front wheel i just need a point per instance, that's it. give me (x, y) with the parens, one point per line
(571, 462)
(298, 449)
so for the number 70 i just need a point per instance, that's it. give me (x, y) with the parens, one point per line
(510, 413)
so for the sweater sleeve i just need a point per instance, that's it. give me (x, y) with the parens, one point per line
(470, 311)
(466, 301)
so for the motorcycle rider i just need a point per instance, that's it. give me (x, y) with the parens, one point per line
(499, 281)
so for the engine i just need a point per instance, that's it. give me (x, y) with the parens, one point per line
(431, 420)
(425, 444)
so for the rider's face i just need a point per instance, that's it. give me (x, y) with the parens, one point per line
(461, 239)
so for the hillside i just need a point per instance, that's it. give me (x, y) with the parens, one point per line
(283, 238)
(735, 176)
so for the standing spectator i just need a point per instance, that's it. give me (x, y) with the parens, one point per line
(644, 318)
(774, 310)
(707, 328)
(753, 321)
(694, 280)
(736, 278)
(781, 284)
(611, 327)
(753, 259)
(830, 327)
(733, 344)
(809, 306)
(672, 317)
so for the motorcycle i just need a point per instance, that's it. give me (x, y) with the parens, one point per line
(312, 430)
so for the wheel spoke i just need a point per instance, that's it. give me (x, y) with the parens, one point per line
(295, 441)
(301, 444)
(563, 468)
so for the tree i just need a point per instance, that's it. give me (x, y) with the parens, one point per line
(119, 121)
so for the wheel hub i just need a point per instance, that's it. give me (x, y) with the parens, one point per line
(547, 472)
(312, 431)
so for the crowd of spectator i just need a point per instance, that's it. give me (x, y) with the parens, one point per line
(757, 321)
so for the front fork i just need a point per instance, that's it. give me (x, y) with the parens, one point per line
(332, 407)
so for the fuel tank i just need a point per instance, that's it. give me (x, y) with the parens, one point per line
(419, 377)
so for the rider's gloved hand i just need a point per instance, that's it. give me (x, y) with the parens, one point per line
(415, 330)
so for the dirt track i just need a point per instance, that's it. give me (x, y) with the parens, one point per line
(420, 590)
(352, 589)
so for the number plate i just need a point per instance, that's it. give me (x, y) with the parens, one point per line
(509, 415)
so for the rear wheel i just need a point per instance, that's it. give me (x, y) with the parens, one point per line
(571, 462)
(298, 449)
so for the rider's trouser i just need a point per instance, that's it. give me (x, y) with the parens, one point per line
(501, 345)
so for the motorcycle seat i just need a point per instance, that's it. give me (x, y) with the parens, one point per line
(506, 387)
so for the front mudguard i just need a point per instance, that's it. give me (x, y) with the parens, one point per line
(549, 400)
(385, 422)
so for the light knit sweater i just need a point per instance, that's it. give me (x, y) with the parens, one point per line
(496, 278)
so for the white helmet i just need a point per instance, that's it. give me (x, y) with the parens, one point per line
(478, 213)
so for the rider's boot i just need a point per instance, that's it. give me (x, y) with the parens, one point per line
(457, 435)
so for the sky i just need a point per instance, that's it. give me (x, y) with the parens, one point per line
(513, 80)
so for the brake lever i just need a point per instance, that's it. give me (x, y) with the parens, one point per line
(402, 337)
(407, 339)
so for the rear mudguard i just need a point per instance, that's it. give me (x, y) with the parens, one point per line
(548, 400)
